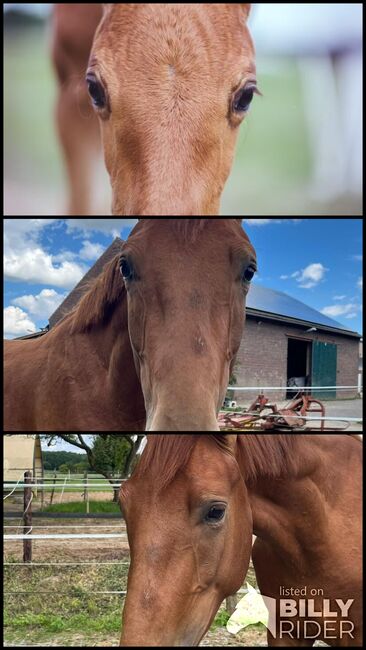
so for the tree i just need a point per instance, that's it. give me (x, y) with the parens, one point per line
(111, 453)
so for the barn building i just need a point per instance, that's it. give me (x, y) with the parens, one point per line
(285, 341)
(22, 453)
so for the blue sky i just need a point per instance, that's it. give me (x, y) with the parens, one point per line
(317, 261)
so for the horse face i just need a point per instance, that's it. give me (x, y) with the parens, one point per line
(190, 548)
(170, 83)
(186, 282)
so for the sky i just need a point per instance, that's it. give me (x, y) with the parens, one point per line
(316, 261)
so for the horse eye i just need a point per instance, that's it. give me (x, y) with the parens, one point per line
(249, 273)
(215, 514)
(126, 269)
(243, 98)
(96, 91)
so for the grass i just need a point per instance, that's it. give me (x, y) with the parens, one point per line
(95, 507)
(73, 607)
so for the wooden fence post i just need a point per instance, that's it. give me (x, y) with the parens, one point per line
(27, 516)
(86, 492)
(53, 488)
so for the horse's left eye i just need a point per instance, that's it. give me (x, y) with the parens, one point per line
(126, 269)
(215, 514)
(249, 273)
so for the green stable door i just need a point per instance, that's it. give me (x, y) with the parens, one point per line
(324, 368)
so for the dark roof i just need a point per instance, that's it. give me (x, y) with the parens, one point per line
(74, 296)
(268, 303)
(34, 335)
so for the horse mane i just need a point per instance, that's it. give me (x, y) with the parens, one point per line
(98, 303)
(270, 455)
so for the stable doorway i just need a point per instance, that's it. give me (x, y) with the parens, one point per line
(299, 360)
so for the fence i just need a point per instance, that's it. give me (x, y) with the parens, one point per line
(295, 388)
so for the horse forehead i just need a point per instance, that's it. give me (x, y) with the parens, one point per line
(176, 15)
(178, 31)
(217, 241)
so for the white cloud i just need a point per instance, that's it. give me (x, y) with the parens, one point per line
(357, 258)
(35, 265)
(17, 322)
(339, 297)
(293, 275)
(308, 277)
(91, 251)
(266, 222)
(360, 283)
(42, 305)
(349, 311)
(25, 259)
(64, 256)
(311, 276)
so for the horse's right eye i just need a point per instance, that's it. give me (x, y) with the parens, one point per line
(126, 269)
(96, 91)
(249, 273)
(216, 514)
(243, 98)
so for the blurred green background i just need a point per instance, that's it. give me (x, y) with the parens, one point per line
(273, 167)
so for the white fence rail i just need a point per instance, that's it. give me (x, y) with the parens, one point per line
(293, 388)
(19, 538)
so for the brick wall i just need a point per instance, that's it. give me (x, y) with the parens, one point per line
(262, 358)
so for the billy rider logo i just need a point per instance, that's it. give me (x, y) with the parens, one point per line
(311, 616)
(297, 613)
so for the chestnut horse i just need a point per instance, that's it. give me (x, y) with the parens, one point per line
(152, 342)
(170, 84)
(191, 509)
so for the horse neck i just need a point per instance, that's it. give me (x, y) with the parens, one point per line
(107, 350)
(280, 507)
(295, 513)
